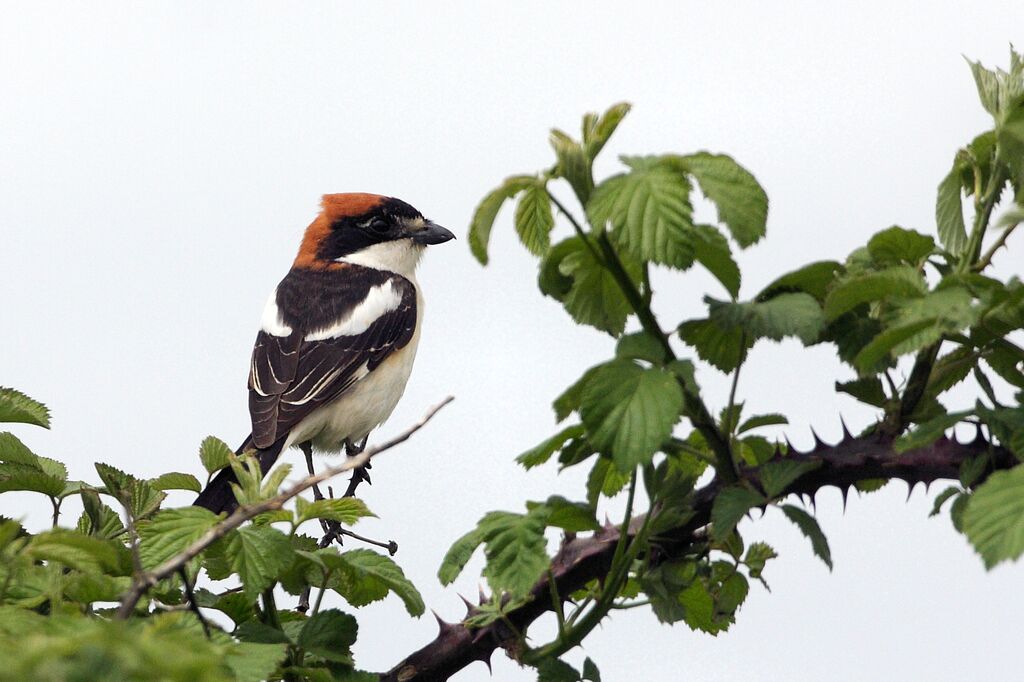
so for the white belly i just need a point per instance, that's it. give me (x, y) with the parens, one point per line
(365, 405)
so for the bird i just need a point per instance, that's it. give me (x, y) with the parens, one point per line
(338, 334)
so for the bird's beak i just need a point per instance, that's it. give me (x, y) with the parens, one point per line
(431, 233)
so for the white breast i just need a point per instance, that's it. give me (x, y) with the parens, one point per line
(366, 404)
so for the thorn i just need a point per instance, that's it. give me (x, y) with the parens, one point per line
(977, 435)
(910, 489)
(814, 503)
(818, 442)
(927, 485)
(789, 446)
(441, 624)
(952, 438)
(846, 431)
(483, 597)
(470, 606)
(844, 491)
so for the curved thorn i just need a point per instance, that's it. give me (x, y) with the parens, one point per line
(846, 431)
(818, 442)
(844, 491)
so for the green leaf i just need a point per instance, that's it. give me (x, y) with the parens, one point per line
(640, 346)
(74, 550)
(758, 554)
(867, 390)
(256, 553)
(760, 420)
(698, 607)
(777, 476)
(171, 531)
(97, 518)
(871, 356)
(574, 517)
(941, 498)
(590, 671)
(176, 481)
(15, 406)
(949, 213)
(722, 347)
(515, 549)
(252, 662)
(629, 411)
(595, 137)
(534, 219)
(928, 432)
(810, 528)
(663, 584)
(711, 249)
(741, 201)
(994, 518)
(330, 635)
(729, 507)
(345, 510)
(850, 292)
(650, 213)
(813, 279)
(458, 556)
(539, 454)
(487, 211)
(605, 479)
(897, 246)
(573, 164)
(555, 670)
(215, 454)
(594, 297)
(370, 576)
(793, 314)
(28, 478)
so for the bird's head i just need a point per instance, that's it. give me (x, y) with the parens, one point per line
(368, 229)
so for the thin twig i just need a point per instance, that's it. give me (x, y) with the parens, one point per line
(986, 260)
(193, 605)
(141, 583)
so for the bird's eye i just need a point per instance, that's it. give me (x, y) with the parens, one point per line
(379, 225)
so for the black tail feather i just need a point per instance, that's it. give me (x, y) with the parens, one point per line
(218, 496)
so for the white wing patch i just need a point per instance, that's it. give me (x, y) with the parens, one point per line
(272, 322)
(380, 300)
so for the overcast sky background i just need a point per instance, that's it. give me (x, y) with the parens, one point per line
(159, 162)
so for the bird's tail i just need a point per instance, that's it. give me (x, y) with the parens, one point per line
(218, 496)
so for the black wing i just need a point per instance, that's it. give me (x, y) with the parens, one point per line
(290, 377)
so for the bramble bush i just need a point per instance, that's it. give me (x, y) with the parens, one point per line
(134, 590)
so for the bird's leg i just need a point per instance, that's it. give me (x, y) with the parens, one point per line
(360, 474)
(307, 450)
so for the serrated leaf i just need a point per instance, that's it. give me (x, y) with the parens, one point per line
(27, 478)
(250, 662)
(629, 411)
(555, 670)
(741, 201)
(594, 296)
(650, 214)
(458, 555)
(574, 517)
(256, 553)
(897, 245)
(928, 432)
(346, 510)
(813, 279)
(941, 498)
(808, 525)
(711, 249)
(731, 505)
(595, 137)
(17, 407)
(590, 672)
(640, 346)
(698, 607)
(487, 211)
(777, 476)
(215, 454)
(949, 213)
(573, 164)
(171, 531)
(794, 314)
(330, 635)
(534, 218)
(722, 347)
(848, 293)
(370, 576)
(994, 518)
(13, 451)
(758, 554)
(871, 356)
(760, 420)
(539, 454)
(73, 549)
(605, 479)
(176, 481)
(867, 390)
(515, 550)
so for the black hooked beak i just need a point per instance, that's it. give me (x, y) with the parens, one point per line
(431, 233)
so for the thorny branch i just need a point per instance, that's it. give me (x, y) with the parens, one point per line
(582, 559)
(143, 581)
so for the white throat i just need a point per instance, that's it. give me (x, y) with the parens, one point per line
(400, 256)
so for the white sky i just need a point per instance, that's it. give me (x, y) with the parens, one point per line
(159, 161)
